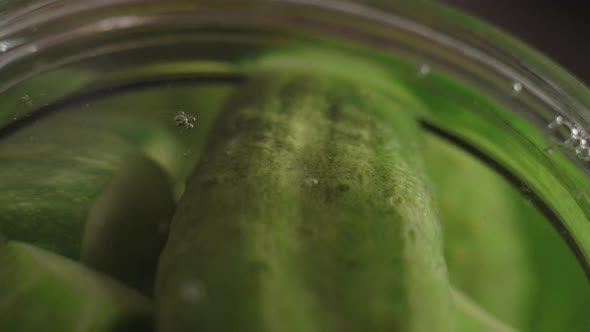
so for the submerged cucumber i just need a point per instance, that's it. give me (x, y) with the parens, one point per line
(501, 252)
(86, 194)
(306, 213)
(485, 249)
(42, 291)
(471, 317)
(127, 225)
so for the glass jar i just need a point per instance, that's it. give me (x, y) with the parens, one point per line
(502, 102)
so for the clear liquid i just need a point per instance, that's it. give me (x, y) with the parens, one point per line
(164, 104)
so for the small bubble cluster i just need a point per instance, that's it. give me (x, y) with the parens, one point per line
(184, 120)
(578, 139)
(27, 99)
(310, 182)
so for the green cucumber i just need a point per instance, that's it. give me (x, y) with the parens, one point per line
(306, 213)
(127, 224)
(484, 245)
(560, 292)
(86, 194)
(42, 291)
(500, 250)
(471, 317)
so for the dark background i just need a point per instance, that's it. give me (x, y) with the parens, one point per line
(558, 28)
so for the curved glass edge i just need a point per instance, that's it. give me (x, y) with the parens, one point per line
(469, 32)
(22, 33)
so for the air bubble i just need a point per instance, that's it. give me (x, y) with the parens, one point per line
(27, 99)
(578, 140)
(185, 120)
(516, 87)
(424, 69)
(310, 182)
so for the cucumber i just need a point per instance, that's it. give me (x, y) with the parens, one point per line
(483, 242)
(500, 251)
(471, 317)
(127, 224)
(85, 194)
(42, 291)
(560, 293)
(306, 213)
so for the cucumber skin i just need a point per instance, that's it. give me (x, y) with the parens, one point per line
(127, 224)
(49, 184)
(484, 243)
(306, 213)
(43, 291)
(87, 194)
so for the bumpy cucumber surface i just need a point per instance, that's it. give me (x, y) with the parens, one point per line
(42, 291)
(306, 213)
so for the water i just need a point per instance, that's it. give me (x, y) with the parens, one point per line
(161, 105)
